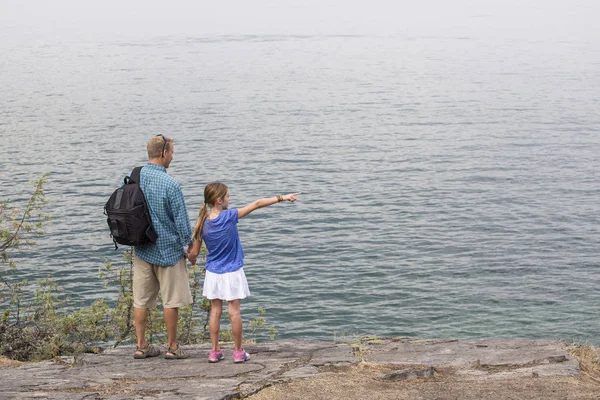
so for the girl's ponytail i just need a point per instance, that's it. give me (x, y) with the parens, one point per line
(200, 224)
(212, 192)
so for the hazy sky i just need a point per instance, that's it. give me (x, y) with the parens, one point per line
(538, 19)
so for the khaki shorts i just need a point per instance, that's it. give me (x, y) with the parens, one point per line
(172, 282)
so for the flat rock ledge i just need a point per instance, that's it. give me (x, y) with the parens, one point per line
(115, 375)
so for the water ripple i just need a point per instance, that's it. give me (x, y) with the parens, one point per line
(448, 191)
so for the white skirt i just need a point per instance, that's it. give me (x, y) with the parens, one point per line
(228, 286)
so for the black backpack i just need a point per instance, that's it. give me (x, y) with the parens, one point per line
(127, 214)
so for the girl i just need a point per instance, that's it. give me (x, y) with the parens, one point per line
(225, 278)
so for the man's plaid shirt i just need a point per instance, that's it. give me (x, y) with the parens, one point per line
(169, 217)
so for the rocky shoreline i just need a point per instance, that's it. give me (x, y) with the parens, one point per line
(115, 375)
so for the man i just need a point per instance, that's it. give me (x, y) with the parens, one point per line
(161, 266)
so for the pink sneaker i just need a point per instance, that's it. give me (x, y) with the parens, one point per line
(240, 356)
(215, 356)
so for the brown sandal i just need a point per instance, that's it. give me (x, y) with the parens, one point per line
(150, 351)
(177, 354)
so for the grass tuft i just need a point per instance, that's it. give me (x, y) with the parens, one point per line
(588, 357)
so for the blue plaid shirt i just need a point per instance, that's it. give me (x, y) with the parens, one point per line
(169, 217)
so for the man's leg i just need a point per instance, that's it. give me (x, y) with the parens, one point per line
(139, 316)
(171, 315)
(175, 291)
(145, 292)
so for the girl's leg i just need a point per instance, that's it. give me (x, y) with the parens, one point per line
(216, 308)
(236, 323)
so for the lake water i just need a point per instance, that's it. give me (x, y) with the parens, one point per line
(450, 184)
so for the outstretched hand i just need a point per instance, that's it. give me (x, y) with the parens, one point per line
(291, 197)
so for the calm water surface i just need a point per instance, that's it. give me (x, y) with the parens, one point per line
(450, 184)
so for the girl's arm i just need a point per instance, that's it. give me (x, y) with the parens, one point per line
(267, 201)
(194, 250)
(192, 255)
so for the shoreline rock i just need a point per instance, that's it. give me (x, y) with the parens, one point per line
(115, 375)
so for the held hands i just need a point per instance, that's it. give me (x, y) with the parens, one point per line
(192, 258)
(191, 255)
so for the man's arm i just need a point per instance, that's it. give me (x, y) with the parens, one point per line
(180, 216)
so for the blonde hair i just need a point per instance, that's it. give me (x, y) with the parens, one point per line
(212, 192)
(156, 145)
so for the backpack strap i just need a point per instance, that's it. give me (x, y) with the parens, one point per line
(135, 175)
